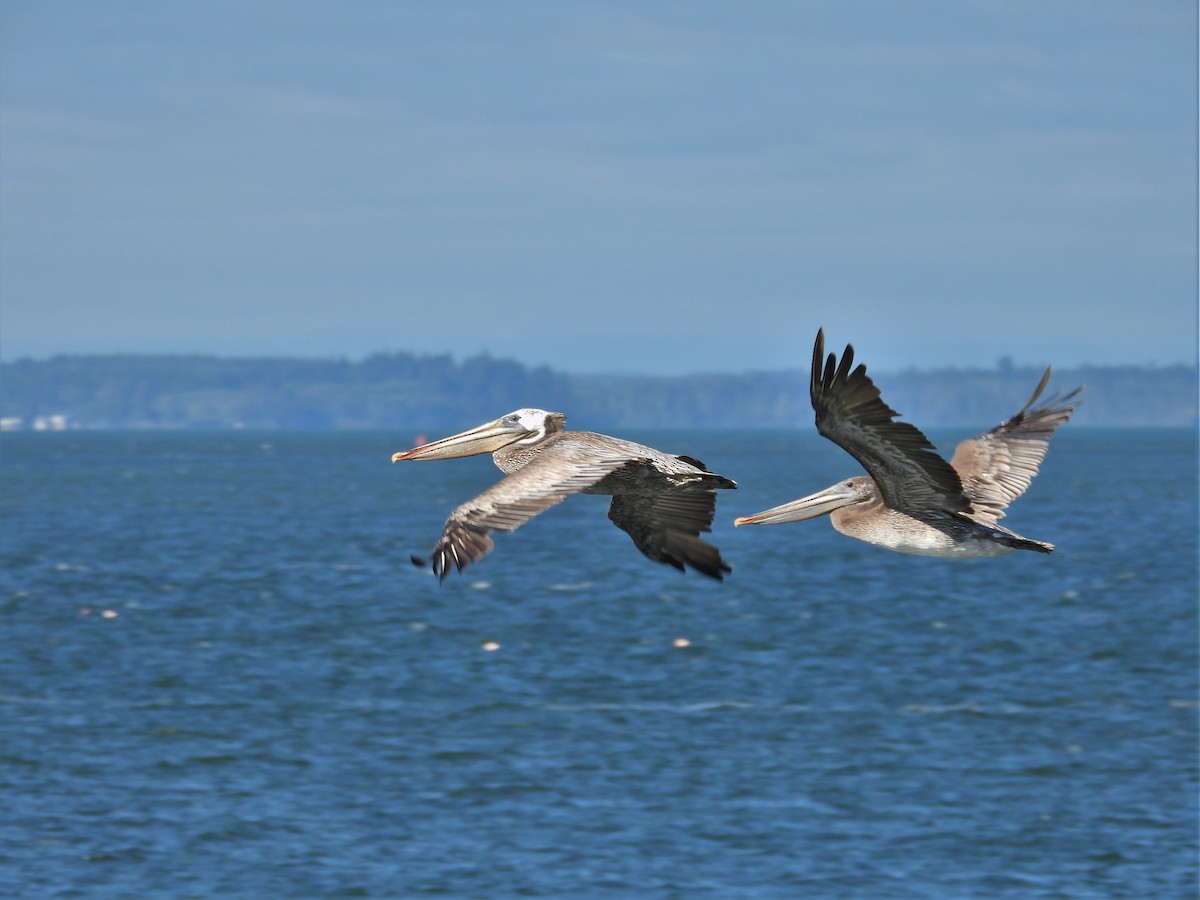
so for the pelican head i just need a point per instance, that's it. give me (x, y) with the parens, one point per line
(852, 491)
(521, 426)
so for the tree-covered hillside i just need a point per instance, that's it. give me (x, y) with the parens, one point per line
(402, 390)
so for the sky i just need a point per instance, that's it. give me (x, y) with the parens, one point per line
(664, 188)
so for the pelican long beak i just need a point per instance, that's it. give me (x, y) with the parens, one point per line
(483, 439)
(818, 504)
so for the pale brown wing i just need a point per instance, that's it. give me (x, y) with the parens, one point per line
(515, 499)
(665, 521)
(997, 466)
(901, 460)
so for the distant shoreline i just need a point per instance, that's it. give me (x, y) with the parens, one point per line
(429, 392)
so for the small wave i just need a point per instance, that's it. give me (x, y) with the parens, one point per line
(18, 699)
(698, 706)
(977, 709)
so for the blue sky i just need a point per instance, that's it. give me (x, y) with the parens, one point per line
(652, 187)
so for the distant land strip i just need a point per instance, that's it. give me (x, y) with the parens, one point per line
(409, 392)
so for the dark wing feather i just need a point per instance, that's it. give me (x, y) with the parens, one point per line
(997, 466)
(666, 519)
(904, 464)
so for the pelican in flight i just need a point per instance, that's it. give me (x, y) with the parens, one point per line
(913, 501)
(661, 501)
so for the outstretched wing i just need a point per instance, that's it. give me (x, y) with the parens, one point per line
(904, 464)
(997, 466)
(564, 467)
(665, 519)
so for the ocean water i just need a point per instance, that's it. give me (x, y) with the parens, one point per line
(221, 676)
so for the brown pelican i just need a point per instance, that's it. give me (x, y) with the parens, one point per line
(661, 501)
(914, 501)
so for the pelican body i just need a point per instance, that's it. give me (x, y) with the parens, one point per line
(912, 500)
(663, 502)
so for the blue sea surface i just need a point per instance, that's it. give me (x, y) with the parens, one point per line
(220, 675)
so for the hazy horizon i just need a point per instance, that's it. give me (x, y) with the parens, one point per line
(999, 364)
